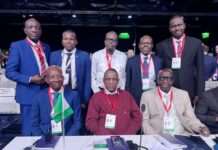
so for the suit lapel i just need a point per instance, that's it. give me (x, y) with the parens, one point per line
(138, 67)
(170, 48)
(77, 62)
(31, 54)
(155, 65)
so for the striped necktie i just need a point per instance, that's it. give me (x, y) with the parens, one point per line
(41, 59)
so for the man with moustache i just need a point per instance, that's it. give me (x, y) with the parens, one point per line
(113, 111)
(26, 65)
(183, 54)
(169, 110)
(76, 67)
(109, 57)
(142, 69)
(41, 120)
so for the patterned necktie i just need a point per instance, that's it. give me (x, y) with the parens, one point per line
(55, 97)
(167, 100)
(41, 59)
(68, 70)
(179, 48)
(145, 74)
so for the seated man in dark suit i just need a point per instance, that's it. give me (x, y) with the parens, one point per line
(41, 119)
(207, 109)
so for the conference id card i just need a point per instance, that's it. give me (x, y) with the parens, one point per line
(168, 123)
(176, 63)
(66, 79)
(110, 121)
(145, 84)
(56, 127)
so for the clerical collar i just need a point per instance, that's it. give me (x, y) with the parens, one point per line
(111, 93)
(53, 91)
(72, 51)
(164, 93)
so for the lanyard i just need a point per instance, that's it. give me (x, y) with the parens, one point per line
(171, 100)
(50, 97)
(108, 61)
(147, 68)
(40, 46)
(182, 47)
(113, 106)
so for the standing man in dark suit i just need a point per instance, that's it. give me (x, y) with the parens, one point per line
(142, 69)
(26, 66)
(76, 67)
(183, 54)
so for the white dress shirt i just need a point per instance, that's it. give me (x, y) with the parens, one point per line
(37, 57)
(72, 63)
(151, 71)
(100, 65)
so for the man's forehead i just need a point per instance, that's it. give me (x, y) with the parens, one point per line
(110, 73)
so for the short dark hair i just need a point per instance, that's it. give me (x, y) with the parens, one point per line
(111, 69)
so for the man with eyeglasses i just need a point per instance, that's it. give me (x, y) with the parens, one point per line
(109, 57)
(113, 111)
(169, 110)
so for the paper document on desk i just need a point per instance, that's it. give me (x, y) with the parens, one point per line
(170, 141)
(4, 92)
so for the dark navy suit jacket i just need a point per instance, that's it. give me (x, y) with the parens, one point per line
(21, 66)
(133, 75)
(209, 66)
(41, 109)
(83, 72)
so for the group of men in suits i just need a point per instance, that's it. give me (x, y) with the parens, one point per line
(29, 59)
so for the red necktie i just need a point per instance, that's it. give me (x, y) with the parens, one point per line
(41, 59)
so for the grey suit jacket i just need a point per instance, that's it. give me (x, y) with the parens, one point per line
(154, 112)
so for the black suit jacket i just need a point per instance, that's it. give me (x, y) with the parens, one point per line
(133, 75)
(207, 109)
(190, 76)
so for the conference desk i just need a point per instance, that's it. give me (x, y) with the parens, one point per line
(87, 142)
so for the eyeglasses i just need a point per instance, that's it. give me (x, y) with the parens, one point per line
(111, 79)
(111, 40)
(162, 78)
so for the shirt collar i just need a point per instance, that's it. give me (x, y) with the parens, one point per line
(143, 56)
(108, 92)
(114, 53)
(73, 51)
(33, 43)
(163, 93)
(52, 91)
(174, 39)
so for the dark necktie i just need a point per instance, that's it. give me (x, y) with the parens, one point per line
(145, 65)
(68, 70)
(55, 97)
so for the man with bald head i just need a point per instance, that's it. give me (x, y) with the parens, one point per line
(142, 69)
(41, 120)
(109, 57)
(184, 55)
(26, 65)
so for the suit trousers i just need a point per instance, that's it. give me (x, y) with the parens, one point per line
(25, 118)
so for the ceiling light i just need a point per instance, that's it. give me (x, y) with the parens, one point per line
(129, 16)
(74, 16)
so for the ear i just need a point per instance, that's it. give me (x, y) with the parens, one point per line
(46, 80)
(24, 30)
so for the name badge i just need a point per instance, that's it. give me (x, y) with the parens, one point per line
(176, 63)
(145, 84)
(66, 78)
(168, 123)
(110, 121)
(56, 127)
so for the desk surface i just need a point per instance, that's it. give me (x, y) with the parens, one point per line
(86, 142)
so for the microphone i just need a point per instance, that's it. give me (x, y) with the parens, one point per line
(142, 111)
